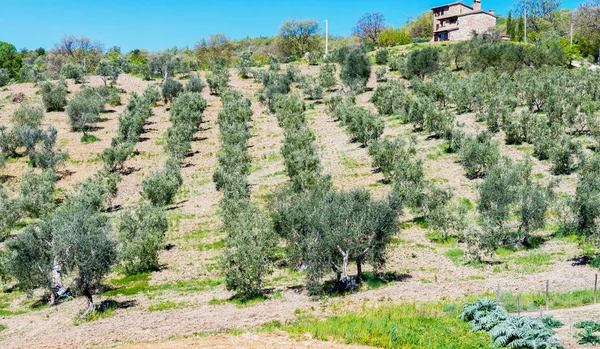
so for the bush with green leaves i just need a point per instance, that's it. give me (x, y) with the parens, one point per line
(586, 204)
(115, 156)
(326, 77)
(442, 216)
(161, 187)
(314, 57)
(194, 84)
(356, 68)
(478, 153)
(422, 62)
(408, 179)
(36, 193)
(73, 71)
(362, 124)
(10, 141)
(244, 63)
(10, 213)
(84, 109)
(141, 234)
(386, 154)
(397, 63)
(108, 71)
(4, 76)
(171, 88)
(327, 229)
(391, 98)
(187, 109)
(54, 96)
(247, 258)
(506, 330)
(273, 84)
(32, 73)
(274, 63)
(380, 74)
(43, 153)
(299, 152)
(563, 154)
(28, 115)
(313, 89)
(382, 56)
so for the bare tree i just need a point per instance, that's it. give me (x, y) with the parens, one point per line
(369, 26)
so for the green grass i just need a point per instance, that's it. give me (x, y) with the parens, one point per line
(167, 305)
(439, 238)
(132, 285)
(3, 327)
(531, 301)
(533, 262)
(87, 139)
(217, 245)
(408, 326)
(239, 301)
(455, 254)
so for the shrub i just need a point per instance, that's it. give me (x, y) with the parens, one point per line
(84, 109)
(327, 78)
(54, 97)
(422, 62)
(4, 76)
(107, 71)
(142, 236)
(587, 196)
(477, 154)
(73, 71)
(43, 155)
(380, 73)
(115, 156)
(393, 37)
(36, 193)
(10, 141)
(247, 257)
(274, 63)
(188, 109)
(362, 124)
(161, 187)
(32, 73)
(194, 84)
(314, 57)
(312, 89)
(170, 89)
(10, 213)
(391, 98)
(386, 154)
(244, 63)
(382, 56)
(28, 115)
(408, 179)
(356, 68)
(563, 155)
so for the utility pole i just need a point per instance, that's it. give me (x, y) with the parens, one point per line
(525, 26)
(571, 33)
(326, 37)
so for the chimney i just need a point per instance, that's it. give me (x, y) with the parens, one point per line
(477, 5)
(491, 12)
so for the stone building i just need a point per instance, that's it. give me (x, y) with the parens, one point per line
(457, 21)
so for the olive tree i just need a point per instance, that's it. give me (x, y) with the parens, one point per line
(107, 71)
(171, 89)
(73, 71)
(28, 115)
(356, 67)
(248, 255)
(10, 212)
(36, 193)
(84, 109)
(326, 77)
(161, 187)
(141, 234)
(54, 96)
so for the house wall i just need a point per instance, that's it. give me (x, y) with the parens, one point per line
(479, 22)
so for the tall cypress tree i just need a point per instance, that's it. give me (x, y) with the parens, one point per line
(510, 27)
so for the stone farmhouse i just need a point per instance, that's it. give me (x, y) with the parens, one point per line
(457, 21)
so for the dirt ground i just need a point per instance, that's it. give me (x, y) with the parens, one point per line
(423, 271)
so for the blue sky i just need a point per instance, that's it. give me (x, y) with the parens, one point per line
(160, 24)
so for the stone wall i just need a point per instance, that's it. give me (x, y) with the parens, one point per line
(479, 22)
